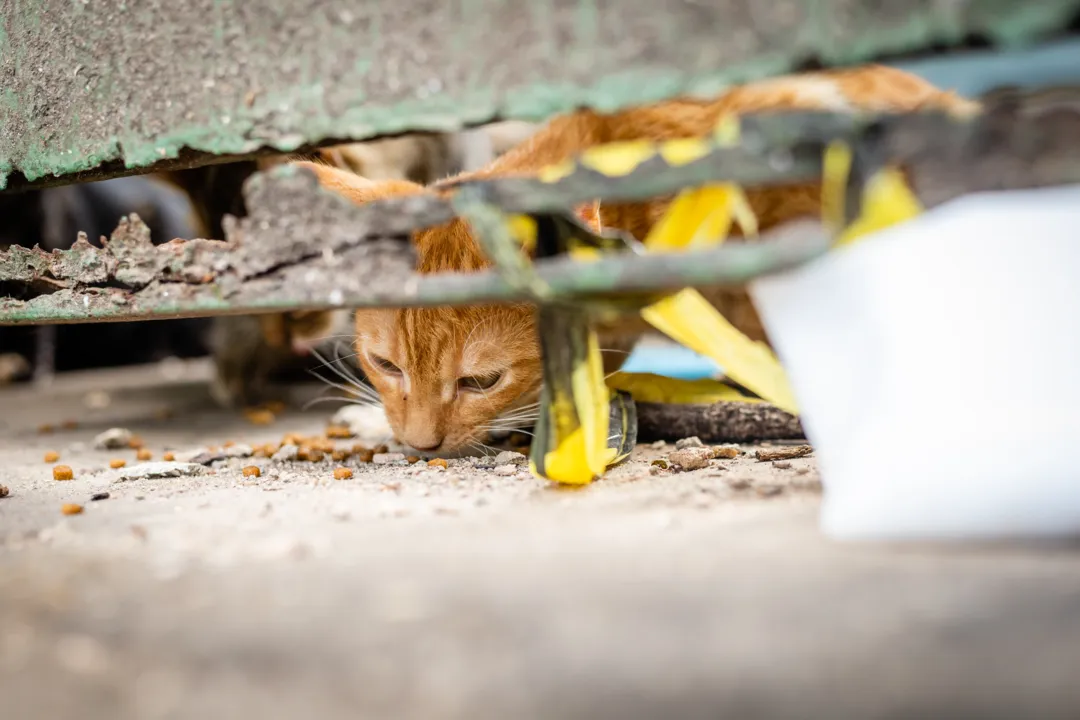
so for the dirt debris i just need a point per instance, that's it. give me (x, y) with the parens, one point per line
(783, 453)
(113, 439)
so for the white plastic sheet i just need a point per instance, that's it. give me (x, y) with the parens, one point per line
(937, 368)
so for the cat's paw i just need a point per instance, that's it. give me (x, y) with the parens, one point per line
(366, 422)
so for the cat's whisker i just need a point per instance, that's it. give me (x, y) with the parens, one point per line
(353, 384)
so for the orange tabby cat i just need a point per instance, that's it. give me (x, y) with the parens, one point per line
(446, 375)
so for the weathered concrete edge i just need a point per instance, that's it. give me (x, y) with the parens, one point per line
(113, 158)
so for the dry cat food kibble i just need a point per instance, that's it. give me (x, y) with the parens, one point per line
(62, 472)
(135, 442)
(168, 457)
(70, 425)
(4, 491)
(412, 459)
(726, 452)
(437, 462)
(117, 464)
(45, 429)
(342, 473)
(339, 455)
(52, 456)
(365, 455)
(251, 471)
(339, 432)
(260, 417)
(71, 509)
(143, 455)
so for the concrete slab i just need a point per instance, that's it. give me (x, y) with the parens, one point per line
(408, 592)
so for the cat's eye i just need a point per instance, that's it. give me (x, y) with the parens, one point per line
(479, 383)
(384, 365)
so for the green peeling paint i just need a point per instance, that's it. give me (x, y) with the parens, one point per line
(39, 138)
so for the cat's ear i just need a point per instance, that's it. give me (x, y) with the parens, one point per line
(589, 213)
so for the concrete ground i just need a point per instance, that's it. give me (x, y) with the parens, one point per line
(470, 592)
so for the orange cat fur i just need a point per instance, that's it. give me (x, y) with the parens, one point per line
(447, 374)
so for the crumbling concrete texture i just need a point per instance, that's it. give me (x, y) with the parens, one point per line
(410, 591)
(295, 236)
(93, 90)
(288, 249)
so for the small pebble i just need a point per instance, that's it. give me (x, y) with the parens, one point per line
(438, 462)
(71, 509)
(4, 492)
(234, 450)
(690, 442)
(62, 472)
(99, 496)
(342, 473)
(802, 471)
(387, 458)
(117, 464)
(113, 439)
(658, 445)
(52, 456)
(691, 458)
(157, 470)
(782, 465)
(143, 455)
(506, 470)
(285, 454)
(510, 457)
(251, 471)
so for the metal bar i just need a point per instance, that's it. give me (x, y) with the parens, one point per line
(95, 90)
(305, 248)
(569, 281)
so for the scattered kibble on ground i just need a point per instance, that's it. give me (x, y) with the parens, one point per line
(260, 417)
(45, 429)
(251, 471)
(52, 456)
(365, 455)
(342, 473)
(117, 463)
(4, 491)
(135, 443)
(62, 472)
(71, 509)
(412, 459)
(169, 457)
(143, 455)
(339, 432)
(438, 462)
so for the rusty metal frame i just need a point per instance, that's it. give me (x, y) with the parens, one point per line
(299, 241)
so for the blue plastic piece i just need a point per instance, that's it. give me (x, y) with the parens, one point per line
(674, 361)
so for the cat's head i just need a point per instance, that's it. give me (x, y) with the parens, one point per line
(446, 376)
